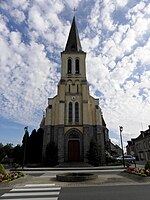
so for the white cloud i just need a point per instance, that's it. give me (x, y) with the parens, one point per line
(125, 55)
(15, 38)
(73, 3)
(36, 20)
(22, 4)
(120, 3)
(90, 43)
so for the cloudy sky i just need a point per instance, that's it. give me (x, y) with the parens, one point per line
(114, 33)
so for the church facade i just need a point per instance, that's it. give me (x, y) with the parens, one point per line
(73, 117)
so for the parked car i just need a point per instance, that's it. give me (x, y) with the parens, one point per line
(127, 158)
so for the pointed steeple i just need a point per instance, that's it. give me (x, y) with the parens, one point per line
(73, 43)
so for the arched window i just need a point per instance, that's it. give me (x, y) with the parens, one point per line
(69, 66)
(77, 70)
(70, 112)
(76, 112)
(77, 88)
(69, 88)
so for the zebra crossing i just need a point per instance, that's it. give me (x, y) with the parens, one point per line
(33, 192)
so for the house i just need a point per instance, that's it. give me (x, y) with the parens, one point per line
(115, 150)
(140, 146)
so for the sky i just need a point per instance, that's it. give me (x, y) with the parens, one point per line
(115, 34)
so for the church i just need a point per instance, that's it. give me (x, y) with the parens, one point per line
(73, 117)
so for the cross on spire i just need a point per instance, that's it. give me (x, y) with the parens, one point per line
(73, 42)
(74, 11)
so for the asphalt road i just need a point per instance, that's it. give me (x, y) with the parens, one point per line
(122, 192)
(4, 190)
(31, 192)
(126, 192)
(101, 192)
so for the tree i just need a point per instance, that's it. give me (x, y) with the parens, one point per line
(17, 154)
(1, 145)
(147, 165)
(8, 149)
(25, 147)
(94, 153)
(2, 154)
(6, 153)
(32, 147)
(40, 133)
(35, 146)
(51, 153)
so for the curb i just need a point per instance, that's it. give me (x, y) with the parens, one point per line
(68, 168)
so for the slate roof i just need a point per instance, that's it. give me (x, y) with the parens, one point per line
(73, 42)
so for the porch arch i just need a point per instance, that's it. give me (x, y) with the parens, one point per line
(73, 146)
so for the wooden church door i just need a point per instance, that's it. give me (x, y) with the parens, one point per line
(74, 150)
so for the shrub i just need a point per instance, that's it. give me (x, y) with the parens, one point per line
(16, 165)
(147, 165)
(51, 158)
(94, 153)
(110, 159)
(2, 169)
(143, 175)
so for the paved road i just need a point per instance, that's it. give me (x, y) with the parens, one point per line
(52, 192)
(32, 192)
(4, 190)
(128, 192)
(27, 191)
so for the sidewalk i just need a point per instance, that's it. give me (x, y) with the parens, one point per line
(103, 179)
(111, 178)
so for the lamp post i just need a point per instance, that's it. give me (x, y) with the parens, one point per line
(121, 129)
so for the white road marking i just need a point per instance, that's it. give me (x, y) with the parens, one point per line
(39, 185)
(48, 198)
(30, 191)
(35, 189)
(30, 194)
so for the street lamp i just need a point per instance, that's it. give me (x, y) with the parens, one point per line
(121, 129)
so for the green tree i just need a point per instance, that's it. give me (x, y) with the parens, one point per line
(8, 149)
(39, 142)
(147, 165)
(51, 154)
(94, 153)
(35, 146)
(25, 147)
(2, 169)
(17, 154)
(2, 154)
(32, 147)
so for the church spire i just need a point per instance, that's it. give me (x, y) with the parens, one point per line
(73, 43)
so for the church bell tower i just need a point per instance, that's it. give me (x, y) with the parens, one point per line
(73, 117)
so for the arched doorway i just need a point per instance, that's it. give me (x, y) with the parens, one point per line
(73, 145)
(73, 150)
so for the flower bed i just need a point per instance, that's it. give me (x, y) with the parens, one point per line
(138, 171)
(10, 176)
